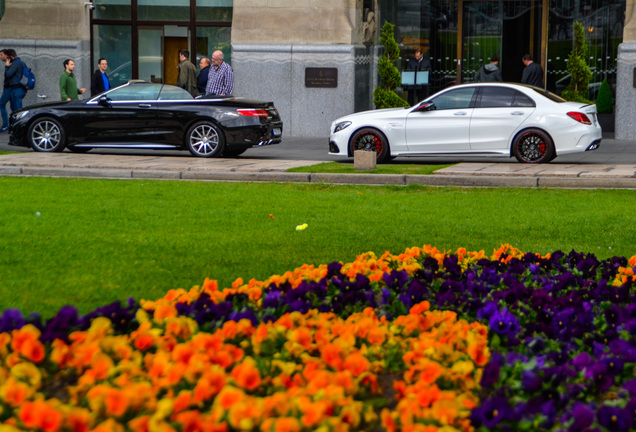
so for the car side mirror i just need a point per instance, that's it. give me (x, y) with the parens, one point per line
(426, 106)
(104, 101)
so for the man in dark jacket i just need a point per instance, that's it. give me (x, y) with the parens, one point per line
(100, 82)
(202, 79)
(533, 72)
(13, 90)
(489, 72)
(418, 63)
(187, 78)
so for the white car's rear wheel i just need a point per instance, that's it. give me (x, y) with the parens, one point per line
(533, 146)
(370, 139)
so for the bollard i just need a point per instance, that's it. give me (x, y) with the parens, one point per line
(364, 160)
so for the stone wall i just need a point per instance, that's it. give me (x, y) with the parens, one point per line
(44, 33)
(625, 127)
(275, 41)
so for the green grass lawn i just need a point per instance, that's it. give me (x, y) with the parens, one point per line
(90, 242)
(347, 168)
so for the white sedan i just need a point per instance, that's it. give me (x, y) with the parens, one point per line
(480, 119)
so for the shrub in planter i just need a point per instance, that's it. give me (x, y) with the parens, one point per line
(578, 68)
(604, 100)
(384, 95)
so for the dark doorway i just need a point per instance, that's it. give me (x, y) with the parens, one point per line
(515, 42)
(506, 28)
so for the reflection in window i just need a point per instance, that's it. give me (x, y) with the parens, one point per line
(174, 93)
(495, 97)
(113, 43)
(111, 9)
(214, 10)
(136, 92)
(164, 10)
(210, 39)
(454, 99)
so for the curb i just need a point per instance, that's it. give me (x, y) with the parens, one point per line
(328, 178)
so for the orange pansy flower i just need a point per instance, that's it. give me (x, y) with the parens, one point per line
(246, 375)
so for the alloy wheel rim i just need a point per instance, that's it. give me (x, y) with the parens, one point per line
(369, 142)
(204, 139)
(533, 147)
(46, 135)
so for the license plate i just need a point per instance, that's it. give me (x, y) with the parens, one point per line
(276, 131)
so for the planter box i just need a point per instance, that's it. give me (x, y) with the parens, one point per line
(607, 122)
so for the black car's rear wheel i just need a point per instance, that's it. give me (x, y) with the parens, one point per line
(371, 140)
(47, 135)
(204, 139)
(533, 146)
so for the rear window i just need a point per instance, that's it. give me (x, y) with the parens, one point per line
(549, 95)
(497, 97)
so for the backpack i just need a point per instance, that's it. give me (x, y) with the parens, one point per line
(28, 78)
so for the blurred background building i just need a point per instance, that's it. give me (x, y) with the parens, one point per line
(317, 59)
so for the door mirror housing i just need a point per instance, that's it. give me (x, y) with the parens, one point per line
(104, 101)
(426, 106)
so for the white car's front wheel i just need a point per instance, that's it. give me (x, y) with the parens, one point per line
(370, 139)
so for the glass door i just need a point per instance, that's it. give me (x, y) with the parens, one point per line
(151, 54)
(505, 28)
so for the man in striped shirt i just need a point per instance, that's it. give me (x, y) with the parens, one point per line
(221, 76)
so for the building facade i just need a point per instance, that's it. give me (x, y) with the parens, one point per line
(317, 59)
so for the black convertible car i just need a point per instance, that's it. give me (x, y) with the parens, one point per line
(150, 116)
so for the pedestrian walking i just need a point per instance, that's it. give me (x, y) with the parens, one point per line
(68, 85)
(221, 76)
(202, 79)
(13, 91)
(532, 73)
(187, 78)
(489, 72)
(100, 82)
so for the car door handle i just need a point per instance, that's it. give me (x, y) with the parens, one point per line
(145, 106)
(460, 113)
(517, 113)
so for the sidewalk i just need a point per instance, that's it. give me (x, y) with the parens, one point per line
(482, 174)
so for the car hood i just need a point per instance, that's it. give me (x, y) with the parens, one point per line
(372, 114)
(53, 104)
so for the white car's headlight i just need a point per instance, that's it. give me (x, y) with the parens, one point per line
(342, 125)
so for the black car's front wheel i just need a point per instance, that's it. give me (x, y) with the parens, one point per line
(204, 139)
(371, 140)
(47, 135)
(533, 146)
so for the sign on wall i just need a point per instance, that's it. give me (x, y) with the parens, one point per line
(321, 77)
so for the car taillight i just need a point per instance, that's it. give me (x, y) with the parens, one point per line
(253, 112)
(580, 117)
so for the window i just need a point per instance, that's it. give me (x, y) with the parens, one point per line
(214, 10)
(111, 9)
(167, 10)
(174, 93)
(138, 92)
(496, 97)
(454, 99)
(113, 42)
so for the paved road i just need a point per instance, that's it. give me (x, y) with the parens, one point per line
(315, 149)
(612, 166)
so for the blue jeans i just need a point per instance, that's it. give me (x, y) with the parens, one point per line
(17, 94)
(6, 97)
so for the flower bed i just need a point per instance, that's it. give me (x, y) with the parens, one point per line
(422, 341)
